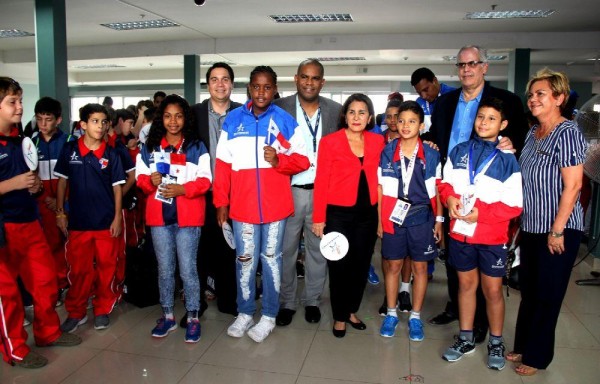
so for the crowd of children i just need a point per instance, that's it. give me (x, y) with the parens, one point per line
(67, 224)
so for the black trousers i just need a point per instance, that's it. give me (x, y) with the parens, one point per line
(543, 278)
(217, 261)
(348, 276)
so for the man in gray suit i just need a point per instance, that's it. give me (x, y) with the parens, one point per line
(316, 117)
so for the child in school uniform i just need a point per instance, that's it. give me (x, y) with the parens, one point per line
(93, 172)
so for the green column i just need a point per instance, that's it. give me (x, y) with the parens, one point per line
(51, 53)
(191, 78)
(518, 71)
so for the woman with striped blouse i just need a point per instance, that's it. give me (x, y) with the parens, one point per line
(552, 222)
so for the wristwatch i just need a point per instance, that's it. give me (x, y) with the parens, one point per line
(556, 234)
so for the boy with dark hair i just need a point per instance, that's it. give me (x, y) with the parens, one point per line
(410, 216)
(26, 253)
(482, 190)
(49, 142)
(94, 174)
(158, 97)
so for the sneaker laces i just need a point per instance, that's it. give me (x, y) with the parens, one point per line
(496, 350)
(460, 345)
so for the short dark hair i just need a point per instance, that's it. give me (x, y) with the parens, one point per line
(360, 97)
(311, 62)
(149, 113)
(493, 102)
(87, 110)
(124, 114)
(159, 94)
(420, 74)
(107, 100)
(264, 69)
(48, 105)
(395, 103)
(144, 103)
(9, 86)
(413, 107)
(220, 65)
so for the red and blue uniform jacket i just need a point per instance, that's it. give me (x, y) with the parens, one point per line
(187, 210)
(255, 191)
(48, 154)
(390, 179)
(498, 190)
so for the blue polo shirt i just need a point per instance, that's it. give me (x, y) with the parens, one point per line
(91, 175)
(464, 118)
(17, 206)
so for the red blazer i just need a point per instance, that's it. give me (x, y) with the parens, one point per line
(338, 171)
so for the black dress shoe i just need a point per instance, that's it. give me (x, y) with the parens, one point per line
(284, 317)
(312, 314)
(443, 319)
(338, 332)
(360, 325)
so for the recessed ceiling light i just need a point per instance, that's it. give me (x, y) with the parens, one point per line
(142, 24)
(529, 14)
(312, 18)
(349, 58)
(490, 58)
(5, 33)
(97, 66)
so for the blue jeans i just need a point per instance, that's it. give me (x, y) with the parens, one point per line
(254, 241)
(173, 243)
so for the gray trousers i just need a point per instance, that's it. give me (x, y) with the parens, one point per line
(315, 265)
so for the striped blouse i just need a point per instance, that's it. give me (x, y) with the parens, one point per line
(541, 161)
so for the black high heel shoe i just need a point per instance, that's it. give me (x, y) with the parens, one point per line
(338, 332)
(360, 325)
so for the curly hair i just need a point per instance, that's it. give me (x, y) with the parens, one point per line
(158, 130)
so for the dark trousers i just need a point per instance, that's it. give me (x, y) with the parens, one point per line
(544, 279)
(348, 276)
(217, 260)
(481, 321)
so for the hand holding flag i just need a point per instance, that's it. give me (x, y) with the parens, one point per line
(274, 134)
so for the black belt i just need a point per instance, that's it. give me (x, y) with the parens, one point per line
(305, 186)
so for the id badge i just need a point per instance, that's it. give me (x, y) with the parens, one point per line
(399, 212)
(165, 181)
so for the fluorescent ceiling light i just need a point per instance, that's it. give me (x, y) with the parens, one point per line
(312, 18)
(490, 58)
(5, 33)
(349, 58)
(211, 62)
(529, 14)
(142, 24)
(97, 66)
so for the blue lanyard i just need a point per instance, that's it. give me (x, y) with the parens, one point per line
(484, 165)
(313, 132)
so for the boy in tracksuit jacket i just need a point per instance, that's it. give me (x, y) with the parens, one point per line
(94, 174)
(26, 253)
(483, 192)
(258, 151)
(49, 141)
(408, 174)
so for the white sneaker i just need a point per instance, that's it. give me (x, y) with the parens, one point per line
(261, 330)
(241, 324)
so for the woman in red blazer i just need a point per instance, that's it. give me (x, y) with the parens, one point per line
(345, 201)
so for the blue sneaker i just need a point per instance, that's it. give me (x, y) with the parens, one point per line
(388, 327)
(415, 330)
(163, 327)
(192, 332)
(373, 278)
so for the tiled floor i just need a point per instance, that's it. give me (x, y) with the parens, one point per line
(305, 353)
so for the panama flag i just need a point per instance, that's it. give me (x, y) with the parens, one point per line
(275, 134)
(177, 164)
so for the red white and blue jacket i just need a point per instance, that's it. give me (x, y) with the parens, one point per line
(498, 190)
(195, 176)
(255, 191)
(390, 177)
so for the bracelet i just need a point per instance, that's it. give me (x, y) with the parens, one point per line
(439, 219)
(556, 234)
(60, 216)
(60, 210)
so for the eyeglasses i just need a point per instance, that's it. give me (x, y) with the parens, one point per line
(470, 64)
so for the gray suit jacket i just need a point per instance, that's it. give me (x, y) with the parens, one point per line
(330, 111)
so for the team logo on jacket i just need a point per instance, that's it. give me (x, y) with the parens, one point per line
(463, 161)
(103, 163)
(388, 168)
(240, 130)
(74, 159)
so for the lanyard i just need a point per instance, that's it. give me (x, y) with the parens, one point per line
(483, 167)
(313, 132)
(407, 171)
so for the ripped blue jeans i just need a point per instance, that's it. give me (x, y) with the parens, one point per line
(254, 242)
